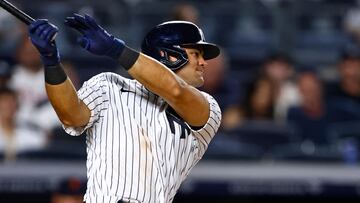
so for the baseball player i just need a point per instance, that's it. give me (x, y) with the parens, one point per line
(144, 135)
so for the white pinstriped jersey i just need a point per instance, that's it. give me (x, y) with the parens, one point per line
(138, 150)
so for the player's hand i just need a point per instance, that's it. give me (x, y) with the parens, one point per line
(94, 38)
(41, 33)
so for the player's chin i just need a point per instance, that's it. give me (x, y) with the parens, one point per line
(199, 82)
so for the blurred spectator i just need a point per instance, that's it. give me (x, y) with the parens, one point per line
(14, 137)
(218, 81)
(185, 11)
(279, 69)
(349, 72)
(258, 105)
(70, 190)
(351, 23)
(344, 94)
(269, 96)
(5, 73)
(28, 81)
(311, 116)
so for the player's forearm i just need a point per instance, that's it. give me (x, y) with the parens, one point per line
(157, 78)
(69, 108)
(183, 97)
(63, 97)
(61, 92)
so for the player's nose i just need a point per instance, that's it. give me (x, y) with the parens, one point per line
(202, 61)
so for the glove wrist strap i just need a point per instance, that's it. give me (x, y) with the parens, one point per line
(51, 60)
(128, 57)
(55, 74)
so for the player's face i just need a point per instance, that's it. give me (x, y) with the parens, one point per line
(193, 71)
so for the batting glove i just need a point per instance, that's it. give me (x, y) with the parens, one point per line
(94, 38)
(41, 33)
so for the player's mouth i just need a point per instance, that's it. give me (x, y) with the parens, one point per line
(200, 71)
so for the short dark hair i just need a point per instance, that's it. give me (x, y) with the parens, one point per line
(7, 90)
(350, 54)
(278, 56)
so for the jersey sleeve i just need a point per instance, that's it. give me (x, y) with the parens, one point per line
(93, 94)
(208, 131)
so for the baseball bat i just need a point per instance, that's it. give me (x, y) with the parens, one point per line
(19, 14)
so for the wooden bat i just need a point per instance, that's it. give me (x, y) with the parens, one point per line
(19, 14)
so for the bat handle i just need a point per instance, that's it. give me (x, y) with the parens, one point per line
(25, 18)
(19, 14)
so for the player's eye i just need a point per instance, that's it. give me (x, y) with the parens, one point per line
(195, 53)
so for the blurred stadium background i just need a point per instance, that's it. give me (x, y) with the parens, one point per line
(288, 83)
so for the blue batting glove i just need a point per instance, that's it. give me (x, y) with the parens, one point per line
(94, 38)
(41, 33)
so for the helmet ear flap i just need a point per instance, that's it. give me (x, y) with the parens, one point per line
(174, 57)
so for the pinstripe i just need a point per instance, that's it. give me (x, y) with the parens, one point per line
(162, 177)
(116, 149)
(146, 154)
(151, 178)
(90, 93)
(128, 125)
(133, 158)
(132, 153)
(166, 148)
(133, 162)
(103, 130)
(112, 139)
(145, 177)
(124, 126)
(109, 126)
(158, 191)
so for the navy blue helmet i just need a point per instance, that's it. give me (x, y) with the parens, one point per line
(169, 39)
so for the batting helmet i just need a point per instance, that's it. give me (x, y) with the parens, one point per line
(169, 38)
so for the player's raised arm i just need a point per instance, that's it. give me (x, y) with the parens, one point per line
(187, 101)
(60, 90)
(181, 47)
(177, 89)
